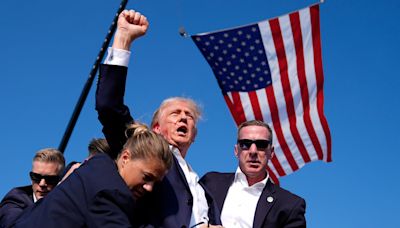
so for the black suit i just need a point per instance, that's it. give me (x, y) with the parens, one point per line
(170, 203)
(13, 204)
(285, 210)
(94, 195)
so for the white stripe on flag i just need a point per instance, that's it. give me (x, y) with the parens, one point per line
(294, 82)
(279, 96)
(305, 21)
(246, 103)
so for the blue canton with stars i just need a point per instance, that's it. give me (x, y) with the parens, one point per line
(237, 58)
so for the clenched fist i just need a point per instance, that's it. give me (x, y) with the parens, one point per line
(131, 25)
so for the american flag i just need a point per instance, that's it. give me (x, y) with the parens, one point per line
(272, 71)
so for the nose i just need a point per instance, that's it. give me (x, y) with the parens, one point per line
(42, 182)
(183, 116)
(148, 186)
(253, 148)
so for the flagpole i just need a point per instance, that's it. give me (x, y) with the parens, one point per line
(89, 82)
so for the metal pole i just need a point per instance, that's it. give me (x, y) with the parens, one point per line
(89, 82)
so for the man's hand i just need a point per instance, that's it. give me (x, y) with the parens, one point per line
(72, 169)
(131, 25)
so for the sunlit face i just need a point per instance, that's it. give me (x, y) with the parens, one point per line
(141, 174)
(42, 188)
(253, 161)
(177, 124)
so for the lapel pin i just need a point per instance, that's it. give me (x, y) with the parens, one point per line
(270, 199)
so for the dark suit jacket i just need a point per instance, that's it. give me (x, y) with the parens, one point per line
(94, 195)
(170, 203)
(286, 209)
(13, 203)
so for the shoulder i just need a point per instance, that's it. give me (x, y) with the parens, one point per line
(217, 177)
(99, 173)
(18, 194)
(100, 163)
(14, 203)
(288, 198)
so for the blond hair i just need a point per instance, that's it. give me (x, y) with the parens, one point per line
(191, 103)
(98, 146)
(143, 143)
(51, 155)
(255, 123)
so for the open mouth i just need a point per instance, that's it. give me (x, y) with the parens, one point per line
(182, 130)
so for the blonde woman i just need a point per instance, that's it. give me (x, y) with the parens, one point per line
(102, 192)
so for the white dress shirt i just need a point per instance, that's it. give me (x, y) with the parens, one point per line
(117, 57)
(200, 206)
(241, 202)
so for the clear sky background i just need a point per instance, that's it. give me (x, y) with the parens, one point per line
(48, 47)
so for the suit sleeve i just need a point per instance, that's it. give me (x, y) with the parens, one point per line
(11, 208)
(296, 217)
(9, 212)
(111, 209)
(113, 114)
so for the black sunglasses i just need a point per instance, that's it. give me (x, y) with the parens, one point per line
(261, 144)
(50, 179)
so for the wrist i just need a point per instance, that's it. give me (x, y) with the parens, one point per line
(122, 40)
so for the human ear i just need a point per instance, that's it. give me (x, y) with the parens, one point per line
(236, 150)
(125, 157)
(272, 153)
(156, 128)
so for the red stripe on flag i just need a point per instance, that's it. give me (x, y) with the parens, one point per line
(314, 12)
(298, 43)
(278, 131)
(236, 110)
(255, 105)
(277, 165)
(231, 108)
(287, 91)
(272, 176)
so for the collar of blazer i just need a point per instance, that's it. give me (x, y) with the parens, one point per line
(265, 203)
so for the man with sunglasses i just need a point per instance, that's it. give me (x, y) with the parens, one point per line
(47, 165)
(248, 198)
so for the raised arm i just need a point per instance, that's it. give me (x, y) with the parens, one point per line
(113, 114)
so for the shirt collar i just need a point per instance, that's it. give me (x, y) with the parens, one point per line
(182, 162)
(240, 177)
(34, 198)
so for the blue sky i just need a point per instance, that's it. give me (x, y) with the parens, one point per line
(48, 48)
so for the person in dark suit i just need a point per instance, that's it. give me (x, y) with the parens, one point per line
(95, 146)
(179, 200)
(47, 164)
(248, 198)
(102, 192)
(13, 204)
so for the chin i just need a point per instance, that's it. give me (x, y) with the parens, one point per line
(253, 170)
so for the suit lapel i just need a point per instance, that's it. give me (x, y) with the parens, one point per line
(265, 203)
(181, 173)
